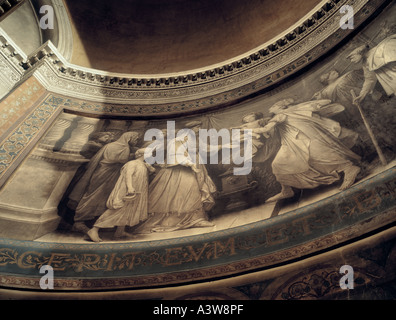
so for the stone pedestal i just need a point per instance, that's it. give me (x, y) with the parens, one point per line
(234, 190)
(28, 203)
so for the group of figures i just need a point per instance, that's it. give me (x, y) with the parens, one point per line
(115, 191)
(308, 144)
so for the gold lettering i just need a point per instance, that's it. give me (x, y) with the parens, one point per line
(88, 260)
(196, 256)
(304, 224)
(391, 186)
(55, 263)
(29, 262)
(131, 259)
(367, 200)
(111, 261)
(276, 236)
(218, 245)
(173, 256)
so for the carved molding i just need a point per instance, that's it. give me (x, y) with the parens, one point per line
(208, 88)
(95, 85)
(65, 34)
(11, 58)
(61, 35)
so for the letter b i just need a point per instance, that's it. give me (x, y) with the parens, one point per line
(346, 281)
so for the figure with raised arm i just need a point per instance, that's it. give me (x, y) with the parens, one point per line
(314, 150)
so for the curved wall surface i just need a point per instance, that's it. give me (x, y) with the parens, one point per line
(317, 189)
(28, 35)
(149, 37)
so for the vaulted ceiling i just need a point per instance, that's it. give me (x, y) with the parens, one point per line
(167, 36)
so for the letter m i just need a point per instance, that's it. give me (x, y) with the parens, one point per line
(213, 148)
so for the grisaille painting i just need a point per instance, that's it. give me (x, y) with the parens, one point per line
(318, 134)
(259, 179)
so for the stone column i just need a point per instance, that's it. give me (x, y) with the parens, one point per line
(58, 130)
(79, 136)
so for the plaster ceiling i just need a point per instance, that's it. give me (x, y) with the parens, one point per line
(168, 36)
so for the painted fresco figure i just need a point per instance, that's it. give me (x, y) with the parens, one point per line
(96, 141)
(338, 89)
(93, 189)
(314, 150)
(379, 65)
(128, 202)
(260, 150)
(180, 195)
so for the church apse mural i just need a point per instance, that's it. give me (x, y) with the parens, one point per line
(245, 183)
(323, 133)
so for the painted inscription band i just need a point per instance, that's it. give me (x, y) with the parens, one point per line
(209, 255)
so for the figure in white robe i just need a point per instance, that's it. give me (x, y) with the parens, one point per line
(260, 149)
(379, 65)
(128, 202)
(314, 150)
(180, 194)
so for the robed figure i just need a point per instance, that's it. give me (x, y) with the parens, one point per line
(314, 149)
(379, 65)
(128, 202)
(93, 189)
(180, 194)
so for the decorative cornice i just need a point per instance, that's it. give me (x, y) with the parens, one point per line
(11, 59)
(148, 89)
(12, 55)
(61, 34)
(65, 34)
(211, 87)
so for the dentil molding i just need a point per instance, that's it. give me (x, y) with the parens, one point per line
(209, 88)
